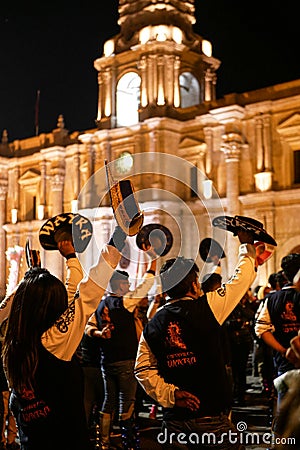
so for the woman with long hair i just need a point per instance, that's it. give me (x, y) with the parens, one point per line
(39, 351)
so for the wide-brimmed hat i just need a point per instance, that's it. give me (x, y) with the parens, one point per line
(236, 223)
(66, 226)
(124, 204)
(157, 236)
(208, 248)
(125, 207)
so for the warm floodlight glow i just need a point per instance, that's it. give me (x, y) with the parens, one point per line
(177, 35)
(207, 48)
(124, 162)
(14, 215)
(145, 35)
(107, 107)
(207, 188)
(40, 212)
(263, 181)
(162, 33)
(109, 48)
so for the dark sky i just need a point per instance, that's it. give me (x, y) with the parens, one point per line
(54, 53)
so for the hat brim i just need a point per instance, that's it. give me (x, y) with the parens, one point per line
(143, 238)
(234, 224)
(210, 247)
(78, 226)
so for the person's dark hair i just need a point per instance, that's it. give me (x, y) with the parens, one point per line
(272, 280)
(281, 278)
(118, 275)
(290, 264)
(211, 282)
(38, 302)
(177, 276)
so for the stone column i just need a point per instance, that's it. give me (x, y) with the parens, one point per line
(231, 147)
(208, 94)
(169, 73)
(259, 146)
(42, 191)
(108, 94)
(3, 194)
(76, 166)
(267, 142)
(161, 94)
(142, 66)
(151, 79)
(176, 86)
(57, 185)
(208, 133)
(100, 113)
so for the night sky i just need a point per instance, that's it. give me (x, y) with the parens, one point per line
(55, 54)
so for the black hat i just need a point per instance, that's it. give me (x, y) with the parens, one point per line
(236, 223)
(208, 248)
(66, 226)
(155, 235)
(124, 204)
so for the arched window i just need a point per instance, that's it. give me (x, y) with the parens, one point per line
(189, 90)
(128, 99)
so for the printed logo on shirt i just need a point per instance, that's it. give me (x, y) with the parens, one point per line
(221, 291)
(290, 323)
(174, 339)
(62, 324)
(33, 409)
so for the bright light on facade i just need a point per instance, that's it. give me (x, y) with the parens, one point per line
(177, 35)
(109, 48)
(207, 188)
(145, 35)
(263, 181)
(40, 212)
(162, 33)
(207, 48)
(14, 215)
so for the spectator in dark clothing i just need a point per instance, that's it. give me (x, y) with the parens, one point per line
(45, 327)
(240, 331)
(180, 360)
(263, 353)
(279, 320)
(278, 324)
(211, 282)
(117, 325)
(93, 382)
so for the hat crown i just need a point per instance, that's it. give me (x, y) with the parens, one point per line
(66, 226)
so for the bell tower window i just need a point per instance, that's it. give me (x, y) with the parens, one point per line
(189, 90)
(128, 99)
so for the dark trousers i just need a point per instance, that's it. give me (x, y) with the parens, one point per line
(120, 387)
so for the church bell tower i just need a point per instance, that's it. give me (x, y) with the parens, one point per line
(155, 67)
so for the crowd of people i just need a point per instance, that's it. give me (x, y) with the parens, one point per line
(88, 351)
